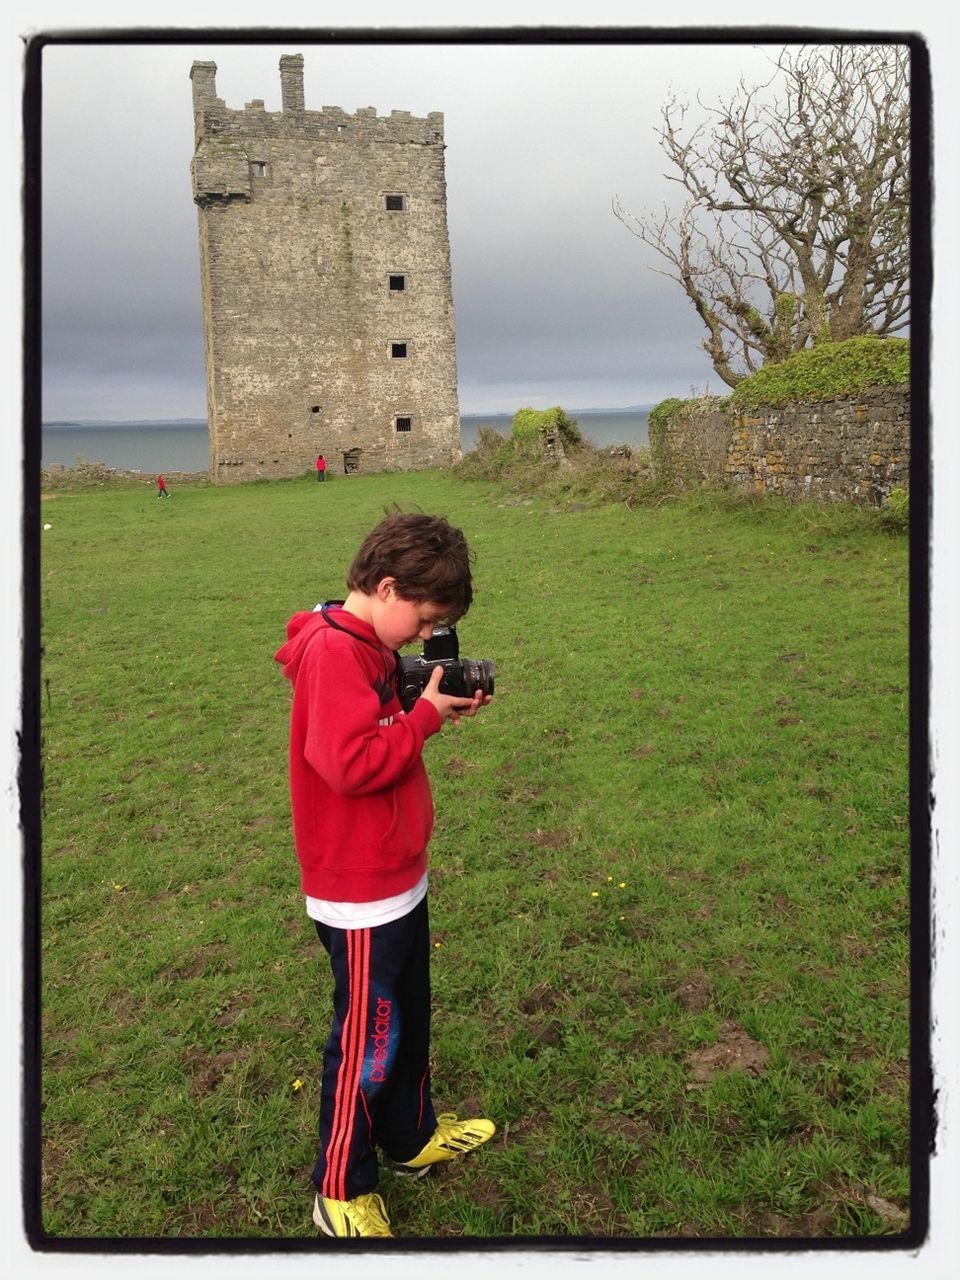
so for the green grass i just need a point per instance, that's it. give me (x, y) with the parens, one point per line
(669, 874)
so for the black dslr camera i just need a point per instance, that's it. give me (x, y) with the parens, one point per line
(462, 677)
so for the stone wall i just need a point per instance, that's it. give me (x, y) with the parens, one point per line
(328, 313)
(853, 449)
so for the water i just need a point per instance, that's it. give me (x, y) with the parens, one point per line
(601, 426)
(182, 445)
(131, 446)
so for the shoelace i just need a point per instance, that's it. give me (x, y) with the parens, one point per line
(372, 1214)
(463, 1141)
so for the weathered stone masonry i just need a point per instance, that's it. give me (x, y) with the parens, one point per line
(856, 448)
(325, 278)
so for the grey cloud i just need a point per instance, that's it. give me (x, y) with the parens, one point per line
(549, 289)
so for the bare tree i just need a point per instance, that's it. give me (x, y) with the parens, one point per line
(795, 229)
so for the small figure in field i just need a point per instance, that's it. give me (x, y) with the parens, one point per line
(162, 488)
(362, 817)
(321, 468)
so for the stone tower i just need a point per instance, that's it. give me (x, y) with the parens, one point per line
(325, 276)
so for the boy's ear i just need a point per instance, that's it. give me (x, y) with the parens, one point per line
(385, 588)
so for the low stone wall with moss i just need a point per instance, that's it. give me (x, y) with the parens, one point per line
(850, 449)
(853, 449)
(689, 440)
(830, 422)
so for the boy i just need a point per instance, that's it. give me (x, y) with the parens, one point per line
(362, 817)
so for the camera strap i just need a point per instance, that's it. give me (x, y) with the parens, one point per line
(338, 626)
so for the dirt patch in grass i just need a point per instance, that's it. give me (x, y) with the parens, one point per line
(703, 912)
(208, 1071)
(774, 1224)
(206, 1218)
(624, 1127)
(457, 766)
(805, 1057)
(233, 1011)
(735, 1050)
(686, 874)
(890, 1214)
(637, 930)
(822, 1220)
(59, 1061)
(99, 1078)
(215, 956)
(530, 1127)
(596, 1213)
(551, 839)
(895, 1081)
(856, 948)
(449, 1230)
(540, 998)
(488, 1194)
(693, 993)
(657, 1045)
(549, 1032)
(60, 1145)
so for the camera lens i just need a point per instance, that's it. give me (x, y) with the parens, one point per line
(478, 674)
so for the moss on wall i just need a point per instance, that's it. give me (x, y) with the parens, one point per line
(825, 372)
(658, 425)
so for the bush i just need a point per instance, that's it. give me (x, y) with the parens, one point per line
(528, 424)
(488, 459)
(825, 372)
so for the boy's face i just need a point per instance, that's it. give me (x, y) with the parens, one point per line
(397, 621)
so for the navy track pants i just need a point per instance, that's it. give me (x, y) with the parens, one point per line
(376, 1064)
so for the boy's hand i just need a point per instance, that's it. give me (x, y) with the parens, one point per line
(450, 707)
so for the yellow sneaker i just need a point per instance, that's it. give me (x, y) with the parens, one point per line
(451, 1138)
(361, 1216)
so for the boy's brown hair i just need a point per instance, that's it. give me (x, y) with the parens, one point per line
(428, 557)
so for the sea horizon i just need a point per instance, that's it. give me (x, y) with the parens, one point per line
(182, 444)
(196, 422)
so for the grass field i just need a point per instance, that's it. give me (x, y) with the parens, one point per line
(669, 877)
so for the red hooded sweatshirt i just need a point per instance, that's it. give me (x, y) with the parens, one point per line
(362, 811)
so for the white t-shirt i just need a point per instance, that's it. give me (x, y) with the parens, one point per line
(367, 915)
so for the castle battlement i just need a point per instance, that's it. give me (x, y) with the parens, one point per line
(325, 262)
(214, 119)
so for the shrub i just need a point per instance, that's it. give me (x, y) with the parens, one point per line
(826, 371)
(489, 458)
(599, 477)
(528, 423)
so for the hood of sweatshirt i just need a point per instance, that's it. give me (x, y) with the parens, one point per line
(304, 625)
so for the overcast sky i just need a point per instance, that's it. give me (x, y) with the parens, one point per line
(555, 301)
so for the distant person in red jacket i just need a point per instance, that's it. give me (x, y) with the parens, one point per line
(321, 467)
(162, 488)
(362, 817)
